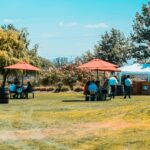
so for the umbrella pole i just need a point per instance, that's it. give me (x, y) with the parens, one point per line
(104, 74)
(97, 74)
(22, 80)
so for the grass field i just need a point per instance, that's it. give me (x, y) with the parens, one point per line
(65, 122)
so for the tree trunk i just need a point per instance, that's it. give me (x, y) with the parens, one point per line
(4, 79)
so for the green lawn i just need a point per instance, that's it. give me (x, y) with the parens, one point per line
(65, 122)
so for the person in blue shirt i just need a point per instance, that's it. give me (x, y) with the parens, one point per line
(93, 90)
(112, 83)
(128, 84)
(13, 89)
(92, 87)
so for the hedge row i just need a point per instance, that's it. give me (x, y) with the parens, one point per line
(56, 89)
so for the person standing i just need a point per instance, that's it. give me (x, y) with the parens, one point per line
(112, 83)
(128, 84)
(123, 83)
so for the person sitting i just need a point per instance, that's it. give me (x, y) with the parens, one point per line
(28, 89)
(19, 90)
(85, 91)
(99, 90)
(93, 89)
(13, 89)
(105, 89)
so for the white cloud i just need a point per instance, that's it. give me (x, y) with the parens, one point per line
(69, 24)
(96, 26)
(8, 21)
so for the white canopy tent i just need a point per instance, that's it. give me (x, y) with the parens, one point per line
(135, 69)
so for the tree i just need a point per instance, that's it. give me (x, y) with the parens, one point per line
(141, 35)
(87, 57)
(45, 64)
(61, 61)
(12, 49)
(113, 47)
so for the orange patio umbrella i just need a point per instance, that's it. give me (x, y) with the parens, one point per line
(99, 65)
(23, 66)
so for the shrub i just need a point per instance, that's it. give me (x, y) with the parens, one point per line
(36, 88)
(59, 85)
(78, 89)
(65, 89)
(43, 89)
(50, 89)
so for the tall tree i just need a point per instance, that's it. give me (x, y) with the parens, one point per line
(141, 35)
(12, 49)
(113, 47)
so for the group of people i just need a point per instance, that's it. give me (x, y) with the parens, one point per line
(126, 82)
(109, 87)
(19, 91)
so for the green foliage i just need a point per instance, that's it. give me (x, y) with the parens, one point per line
(113, 47)
(78, 89)
(64, 89)
(70, 80)
(45, 64)
(12, 48)
(141, 35)
(87, 56)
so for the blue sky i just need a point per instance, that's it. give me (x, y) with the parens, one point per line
(68, 28)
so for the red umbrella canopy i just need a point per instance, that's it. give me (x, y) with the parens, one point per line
(98, 64)
(23, 66)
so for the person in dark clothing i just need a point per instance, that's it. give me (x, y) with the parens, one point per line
(99, 90)
(128, 84)
(85, 91)
(28, 89)
(123, 83)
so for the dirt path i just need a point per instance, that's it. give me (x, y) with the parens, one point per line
(74, 131)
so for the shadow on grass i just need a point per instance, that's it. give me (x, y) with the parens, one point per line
(83, 101)
(74, 101)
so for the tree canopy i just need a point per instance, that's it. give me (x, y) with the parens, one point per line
(113, 47)
(141, 35)
(14, 47)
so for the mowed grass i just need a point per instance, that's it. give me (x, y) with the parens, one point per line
(65, 121)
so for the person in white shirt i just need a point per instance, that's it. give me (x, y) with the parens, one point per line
(128, 84)
(112, 83)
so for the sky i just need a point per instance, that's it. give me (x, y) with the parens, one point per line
(69, 28)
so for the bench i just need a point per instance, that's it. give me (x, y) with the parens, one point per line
(92, 96)
(11, 94)
(22, 96)
(97, 97)
(27, 94)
